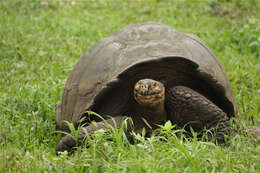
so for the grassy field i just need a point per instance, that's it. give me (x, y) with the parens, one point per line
(40, 42)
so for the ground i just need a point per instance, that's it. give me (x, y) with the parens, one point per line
(40, 42)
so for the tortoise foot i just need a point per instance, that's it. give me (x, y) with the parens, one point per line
(67, 143)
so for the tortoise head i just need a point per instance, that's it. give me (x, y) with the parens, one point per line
(149, 93)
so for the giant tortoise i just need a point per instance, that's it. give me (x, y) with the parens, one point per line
(151, 73)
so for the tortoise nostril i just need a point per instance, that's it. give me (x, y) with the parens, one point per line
(144, 89)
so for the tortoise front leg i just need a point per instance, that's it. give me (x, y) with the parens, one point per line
(185, 106)
(67, 143)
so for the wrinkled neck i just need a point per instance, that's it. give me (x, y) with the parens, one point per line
(155, 114)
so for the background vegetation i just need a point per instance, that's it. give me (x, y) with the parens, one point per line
(40, 42)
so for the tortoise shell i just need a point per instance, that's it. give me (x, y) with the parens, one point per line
(103, 79)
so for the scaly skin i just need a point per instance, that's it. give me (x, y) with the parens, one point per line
(187, 107)
(68, 143)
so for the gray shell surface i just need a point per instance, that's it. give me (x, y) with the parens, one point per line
(103, 78)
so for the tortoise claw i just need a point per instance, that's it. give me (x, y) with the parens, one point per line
(67, 143)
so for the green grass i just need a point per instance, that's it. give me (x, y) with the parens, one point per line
(40, 42)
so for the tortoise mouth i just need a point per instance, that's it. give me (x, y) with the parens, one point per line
(148, 94)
